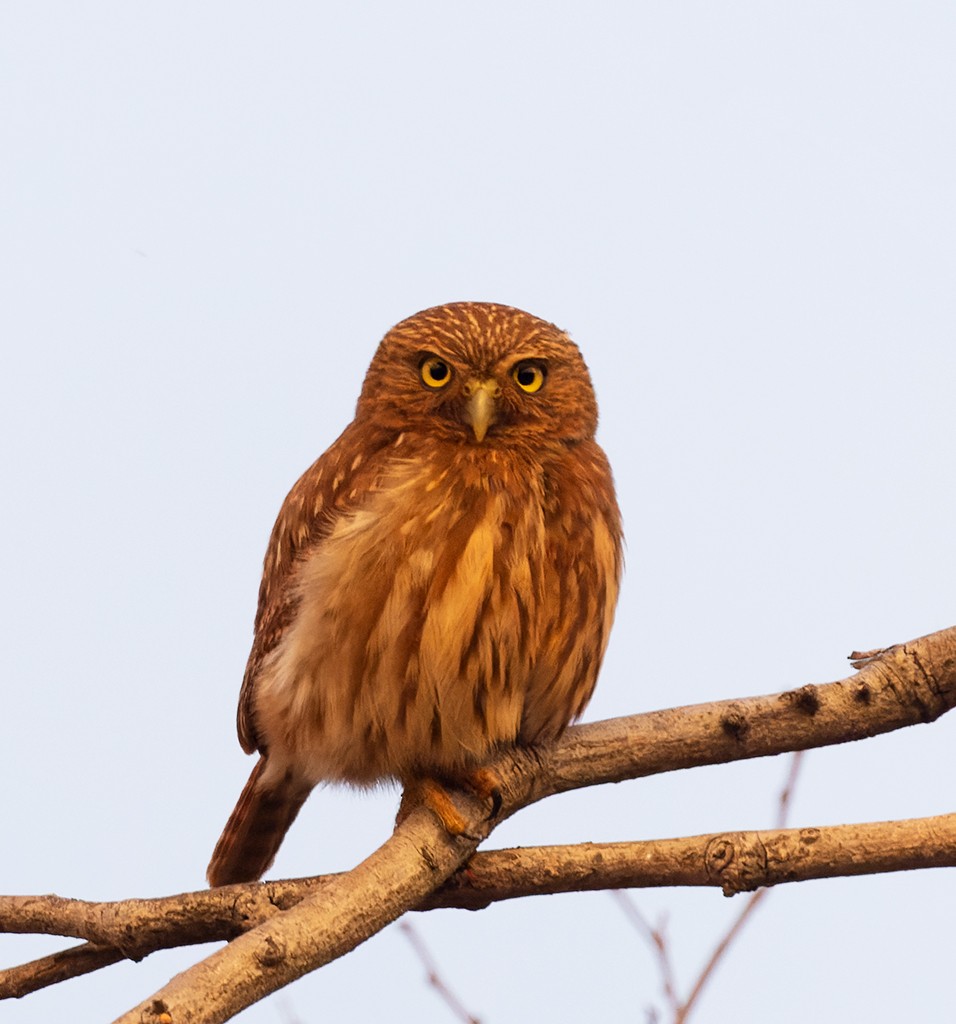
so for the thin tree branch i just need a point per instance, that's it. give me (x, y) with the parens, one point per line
(732, 861)
(433, 975)
(754, 901)
(61, 966)
(789, 788)
(683, 1012)
(656, 938)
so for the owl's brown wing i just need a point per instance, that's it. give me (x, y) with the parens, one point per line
(333, 485)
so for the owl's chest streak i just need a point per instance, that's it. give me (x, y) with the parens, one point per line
(409, 647)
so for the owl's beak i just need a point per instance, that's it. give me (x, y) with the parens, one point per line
(480, 410)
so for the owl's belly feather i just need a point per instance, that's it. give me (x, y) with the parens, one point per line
(410, 647)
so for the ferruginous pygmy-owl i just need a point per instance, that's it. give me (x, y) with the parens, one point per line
(440, 584)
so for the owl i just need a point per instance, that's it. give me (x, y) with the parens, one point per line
(439, 585)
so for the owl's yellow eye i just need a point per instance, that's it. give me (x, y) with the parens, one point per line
(529, 376)
(436, 373)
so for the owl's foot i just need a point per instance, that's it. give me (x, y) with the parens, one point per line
(437, 799)
(430, 792)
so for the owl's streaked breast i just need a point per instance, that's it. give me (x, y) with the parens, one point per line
(411, 646)
(411, 637)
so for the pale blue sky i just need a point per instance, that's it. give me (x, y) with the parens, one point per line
(745, 214)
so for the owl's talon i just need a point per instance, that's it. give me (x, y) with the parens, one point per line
(495, 804)
(486, 785)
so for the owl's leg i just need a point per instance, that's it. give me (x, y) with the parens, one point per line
(430, 792)
(484, 783)
(438, 799)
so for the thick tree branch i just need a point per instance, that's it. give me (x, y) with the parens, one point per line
(904, 685)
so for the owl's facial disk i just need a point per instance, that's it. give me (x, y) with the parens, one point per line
(480, 406)
(479, 374)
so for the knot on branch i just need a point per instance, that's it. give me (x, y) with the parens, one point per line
(744, 861)
(735, 723)
(737, 861)
(271, 952)
(253, 906)
(806, 699)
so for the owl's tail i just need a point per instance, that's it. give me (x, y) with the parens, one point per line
(256, 827)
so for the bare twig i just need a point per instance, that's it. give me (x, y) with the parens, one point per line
(789, 788)
(656, 938)
(433, 975)
(783, 808)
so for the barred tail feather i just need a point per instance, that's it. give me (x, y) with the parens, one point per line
(256, 827)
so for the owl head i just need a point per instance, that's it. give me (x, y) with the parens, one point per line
(477, 373)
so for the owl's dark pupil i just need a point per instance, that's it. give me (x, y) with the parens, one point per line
(439, 371)
(526, 375)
